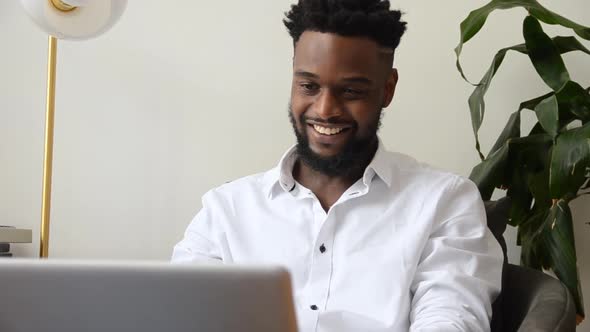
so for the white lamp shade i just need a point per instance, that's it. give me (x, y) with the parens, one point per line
(91, 18)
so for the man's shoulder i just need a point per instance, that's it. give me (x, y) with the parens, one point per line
(413, 170)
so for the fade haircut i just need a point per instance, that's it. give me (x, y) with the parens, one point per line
(371, 19)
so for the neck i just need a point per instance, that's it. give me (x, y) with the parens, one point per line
(328, 188)
(313, 179)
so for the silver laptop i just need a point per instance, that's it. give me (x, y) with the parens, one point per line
(48, 295)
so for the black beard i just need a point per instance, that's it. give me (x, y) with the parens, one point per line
(350, 162)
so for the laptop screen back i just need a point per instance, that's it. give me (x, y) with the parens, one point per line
(37, 295)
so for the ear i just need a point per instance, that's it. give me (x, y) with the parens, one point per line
(390, 87)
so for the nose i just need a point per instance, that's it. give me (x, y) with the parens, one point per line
(326, 105)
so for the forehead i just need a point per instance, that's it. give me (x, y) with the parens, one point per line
(331, 54)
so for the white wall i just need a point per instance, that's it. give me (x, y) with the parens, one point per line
(174, 101)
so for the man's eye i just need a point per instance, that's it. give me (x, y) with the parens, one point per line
(309, 87)
(353, 92)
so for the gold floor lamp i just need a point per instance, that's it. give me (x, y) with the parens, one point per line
(71, 20)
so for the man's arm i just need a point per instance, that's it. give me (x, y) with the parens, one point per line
(459, 274)
(200, 239)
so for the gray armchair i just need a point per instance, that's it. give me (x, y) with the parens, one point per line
(531, 301)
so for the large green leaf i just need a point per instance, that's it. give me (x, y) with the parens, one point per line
(531, 104)
(496, 170)
(574, 99)
(477, 18)
(490, 173)
(544, 55)
(518, 190)
(528, 159)
(546, 16)
(558, 235)
(537, 180)
(548, 115)
(569, 44)
(511, 130)
(569, 162)
(477, 99)
(530, 238)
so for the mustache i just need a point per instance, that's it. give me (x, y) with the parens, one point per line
(333, 120)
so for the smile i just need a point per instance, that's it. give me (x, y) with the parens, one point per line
(327, 130)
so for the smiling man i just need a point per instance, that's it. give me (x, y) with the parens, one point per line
(374, 240)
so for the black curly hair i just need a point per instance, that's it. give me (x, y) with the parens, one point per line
(355, 18)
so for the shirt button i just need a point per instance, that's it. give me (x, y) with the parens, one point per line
(322, 248)
(314, 307)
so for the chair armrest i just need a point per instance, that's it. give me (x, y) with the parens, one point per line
(534, 301)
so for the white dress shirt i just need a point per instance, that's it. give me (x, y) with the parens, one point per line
(405, 248)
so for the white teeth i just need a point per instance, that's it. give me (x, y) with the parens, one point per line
(327, 131)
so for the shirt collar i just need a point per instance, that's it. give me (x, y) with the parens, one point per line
(281, 177)
(381, 165)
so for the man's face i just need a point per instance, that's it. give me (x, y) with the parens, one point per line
(340, 85)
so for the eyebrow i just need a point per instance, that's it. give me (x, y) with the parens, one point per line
(302, 73)
(354, 79)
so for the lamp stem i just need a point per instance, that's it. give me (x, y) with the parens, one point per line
(48, 157)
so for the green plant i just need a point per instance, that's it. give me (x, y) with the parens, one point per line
(547, 168)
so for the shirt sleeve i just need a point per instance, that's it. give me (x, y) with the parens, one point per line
(459, 273)
(199, 243)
